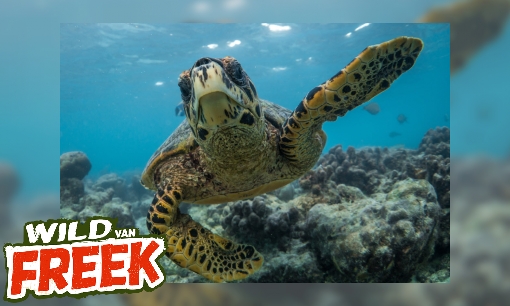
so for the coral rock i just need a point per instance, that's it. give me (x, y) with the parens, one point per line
(74, 165)
(119, 210)
(372, 241)
(111, 180)
(71, 190)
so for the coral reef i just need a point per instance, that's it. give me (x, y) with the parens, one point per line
(100, 203)
(298, 264)
(259, 220)
(74, 166)
(436, 271)
(376, 240)
(120, 211)
(108, 196)
(361, 215)
(110, 181)
(376, 169)
(436, 142)
(128, 188)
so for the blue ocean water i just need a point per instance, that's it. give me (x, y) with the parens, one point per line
(118, 89)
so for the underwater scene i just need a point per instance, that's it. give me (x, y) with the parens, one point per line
(264, 152)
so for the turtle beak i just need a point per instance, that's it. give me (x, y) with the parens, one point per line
(216, 98)
(208, 76)
(217, 102)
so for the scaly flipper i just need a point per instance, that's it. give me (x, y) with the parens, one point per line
(369, 74)
(193, 247)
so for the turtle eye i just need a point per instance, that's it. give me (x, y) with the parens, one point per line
(185, 87)
(237, 73)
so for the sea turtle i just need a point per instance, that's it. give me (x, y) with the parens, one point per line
(233, 145)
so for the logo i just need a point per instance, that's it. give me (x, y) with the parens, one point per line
(69, 258)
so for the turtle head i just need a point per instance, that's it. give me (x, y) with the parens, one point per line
(220, 102)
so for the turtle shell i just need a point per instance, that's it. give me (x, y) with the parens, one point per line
(182, 140)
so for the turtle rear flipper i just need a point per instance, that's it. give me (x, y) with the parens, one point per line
(193, 247)
(369, 74)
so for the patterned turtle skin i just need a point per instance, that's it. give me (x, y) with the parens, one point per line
(234, 145)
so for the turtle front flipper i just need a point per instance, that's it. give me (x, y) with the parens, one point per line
(193, 247)
(369, 74)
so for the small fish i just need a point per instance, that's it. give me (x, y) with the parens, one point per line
(394, 134)
(372, 108)
(179, 109)
(402, 118)
(446, 118)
